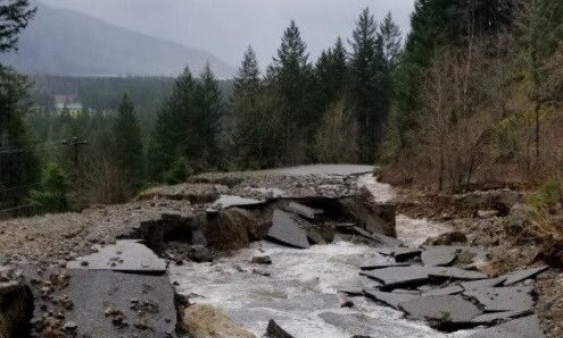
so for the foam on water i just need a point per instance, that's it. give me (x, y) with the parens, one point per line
(301, 292)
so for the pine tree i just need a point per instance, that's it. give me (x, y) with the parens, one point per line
(18, 165)
(128, 143)
(52, 194)
(390, 35)
(292, 73)
(368, 67)
(172, 134)
(206, 121)
(332, 75)
(291, 76)
(247, 81)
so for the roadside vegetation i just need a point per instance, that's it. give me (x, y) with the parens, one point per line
(471, 97)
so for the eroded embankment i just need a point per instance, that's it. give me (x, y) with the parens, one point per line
(199, 228)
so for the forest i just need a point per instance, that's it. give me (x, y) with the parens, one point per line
(471, 96)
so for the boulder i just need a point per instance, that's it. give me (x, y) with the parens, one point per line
(16, 307)
(229, 229)
(206, 321)
(199, 254)
(454, 237)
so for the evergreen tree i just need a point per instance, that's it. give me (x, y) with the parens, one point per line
(14, 17)
(247, 81)
(18, 165)
(52, 195)
(368, 67)
(292, 73)
(187, 126)
(206, 120)
(332, 75)
(128, 143)
(172, 135)
(292, 78)
(390, 35)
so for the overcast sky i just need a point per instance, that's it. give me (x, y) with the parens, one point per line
(226, 27)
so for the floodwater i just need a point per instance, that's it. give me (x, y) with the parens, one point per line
(300, 294)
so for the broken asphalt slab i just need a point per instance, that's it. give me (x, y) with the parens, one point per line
(439, 256)
(401, 254)
(527, 327)
(232, 201)
(377, 238)
(125, 255)
(444, 309)
(521, 275)
(447, 291)
(490, 318)
(286, 230)
(484, 283)
(114, 304)
(303, 210)
(514, 298)
(389, 298)
(377, 264)
(414, 276)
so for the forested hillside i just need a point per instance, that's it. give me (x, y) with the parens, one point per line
(471, 96)
(479, 95)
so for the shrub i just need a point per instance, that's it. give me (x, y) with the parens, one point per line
(52, 195)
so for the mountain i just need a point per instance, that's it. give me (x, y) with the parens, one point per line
(67, 42)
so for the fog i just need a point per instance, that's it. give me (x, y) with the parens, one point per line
(226, 27)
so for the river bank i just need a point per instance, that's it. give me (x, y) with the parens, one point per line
(499, 220)
(213, 246)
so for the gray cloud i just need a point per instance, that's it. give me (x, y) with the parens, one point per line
(226, 27)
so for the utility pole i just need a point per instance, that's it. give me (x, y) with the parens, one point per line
(75, 143)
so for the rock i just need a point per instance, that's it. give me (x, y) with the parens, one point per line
(487, 213)
(486, 268)
(70, 326)
(200, 254)
(204, 321)
(230, 229)
(552, 253)
(444, 310)
(286, 230)
(314, 236)
(16, 309)
(275, 331)
(261, 260)
(501, 200)
(449, 238)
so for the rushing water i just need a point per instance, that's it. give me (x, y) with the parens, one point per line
(300, 293)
